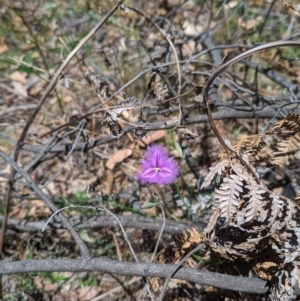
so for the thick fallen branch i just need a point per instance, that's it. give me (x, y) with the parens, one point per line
(11, 109)
(138, 222)
(98, 222)
(228, 282)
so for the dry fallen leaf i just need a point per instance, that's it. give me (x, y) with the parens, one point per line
(85, 293)
(153, 137)
(38, 209)
(3, 48)
(107, 183)
(118, 157)
(68, 98)
(19, 211)
(20, 89)
(18, 77)
(45, 284)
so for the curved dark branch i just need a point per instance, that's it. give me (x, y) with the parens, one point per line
(209, 83)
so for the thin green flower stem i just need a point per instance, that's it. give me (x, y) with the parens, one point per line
(130, 248)
(188, 206)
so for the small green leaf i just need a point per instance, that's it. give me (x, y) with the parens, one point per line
(49, 5)
(148, 205)
(179, 150)
(85, 236)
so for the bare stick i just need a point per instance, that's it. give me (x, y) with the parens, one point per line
(11, 109)
(105, 265)
(134, 221)
(161, 230)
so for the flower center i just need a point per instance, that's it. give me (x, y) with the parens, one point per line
(156, 169)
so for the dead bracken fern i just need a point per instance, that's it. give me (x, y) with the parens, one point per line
(251, 229)
(176, 251)
(249, 221)
(275, 147)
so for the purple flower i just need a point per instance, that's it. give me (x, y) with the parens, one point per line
(158, 167)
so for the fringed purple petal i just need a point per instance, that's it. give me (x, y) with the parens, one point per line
(158, 167)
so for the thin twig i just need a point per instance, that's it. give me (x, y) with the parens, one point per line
(81, 127)
(11, 109)
(161, 230)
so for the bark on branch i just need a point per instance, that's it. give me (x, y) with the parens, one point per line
(98, 222)
(101, 264)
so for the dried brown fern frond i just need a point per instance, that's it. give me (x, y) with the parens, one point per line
(227, 197)
(252, 228)
(252, 146)
(130, 103)
(287, 150)
(250, 221)
(218, 169)
(175, 252)
(287, 126)
(160, 89)
(275, 147)
(297, 199)
(288, 132)
(111, 115)
(254, 207)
